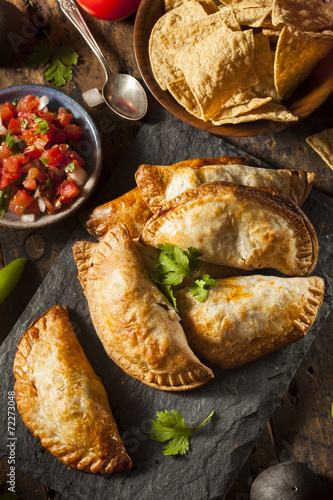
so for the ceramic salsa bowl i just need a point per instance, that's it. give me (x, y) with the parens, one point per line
(89, 147)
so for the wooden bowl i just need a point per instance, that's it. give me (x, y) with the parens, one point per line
(305, 100)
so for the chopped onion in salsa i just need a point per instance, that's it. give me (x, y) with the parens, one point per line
(40, 169)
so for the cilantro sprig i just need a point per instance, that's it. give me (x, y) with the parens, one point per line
(42, 125)
(58, 60)
(15, 145)
(173, 265)
(170, 427)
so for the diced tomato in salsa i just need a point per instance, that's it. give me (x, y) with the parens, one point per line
(7, 177)
(34, 156)
(6, 111)
(28, 103)
(14, 126)
(13, 163)
(68, 190)
(73, 131)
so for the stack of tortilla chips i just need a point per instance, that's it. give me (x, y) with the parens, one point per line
(236, 62)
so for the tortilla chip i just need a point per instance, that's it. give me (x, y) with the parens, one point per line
(263, 65)
(323, 35)
(252, 16)
(296, 56)
(191, 34)
(322, 143)
(244, 4)
(216, 67)
(241, 102)
(209, 6)
(269, 111)
(162, 63)
(180, 90)
(309, 15)
(271, 32)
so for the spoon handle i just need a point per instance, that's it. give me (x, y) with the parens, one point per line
(70, 9)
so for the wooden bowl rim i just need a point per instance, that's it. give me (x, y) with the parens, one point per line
(307, 98)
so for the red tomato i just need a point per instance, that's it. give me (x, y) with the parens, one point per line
(6, 111)
(13, 163)
(22, 198)
(73, 131)
(14, 126)
(8, 177)
(65, 118)
(4, 151)
(28, 103)
(15, 209)
(33, 208)
(67, 191)
(112, 10)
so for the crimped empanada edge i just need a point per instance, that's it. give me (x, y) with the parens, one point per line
(307, 251)
(69, 456)
(299, 328)
(195, 376)
(152, 188)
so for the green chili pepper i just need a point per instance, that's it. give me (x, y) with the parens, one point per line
(9, 277)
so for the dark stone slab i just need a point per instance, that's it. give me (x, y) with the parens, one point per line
(243, 398)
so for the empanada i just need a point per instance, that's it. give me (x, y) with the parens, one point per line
(130, 208)
(61, 399)
(139, 329)
(246, 317)
(160, 184)
(238, 226)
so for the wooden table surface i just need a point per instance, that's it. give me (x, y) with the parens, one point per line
(301, 428)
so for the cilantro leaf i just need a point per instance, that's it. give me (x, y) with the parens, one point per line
(157, 278)
(199, 289)
(58, 59)
(176, 264)
(43, 125)
(67, 55)
(193, 257)
(173, 265)
(40, 56)
(70, 167)
(57, 73)
(14, 144)
(170, 427)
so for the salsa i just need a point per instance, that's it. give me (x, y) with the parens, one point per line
(40, 169)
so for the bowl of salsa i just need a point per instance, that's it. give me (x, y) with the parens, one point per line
(50, 156)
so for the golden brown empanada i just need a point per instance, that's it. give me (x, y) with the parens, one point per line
(238, 226)
(160, 184)
(246, 317)
(139, 329)
(131, 210)
(61, 399)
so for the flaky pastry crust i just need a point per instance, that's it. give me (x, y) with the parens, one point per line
(138, 328)
(61, 399)
(129, 209)
(245, 317)
(160, 184)
(238, 226)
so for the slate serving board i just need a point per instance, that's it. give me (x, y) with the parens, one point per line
(243, 399)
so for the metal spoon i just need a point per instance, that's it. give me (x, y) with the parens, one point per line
(122, 93)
